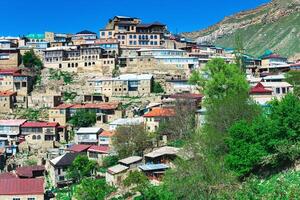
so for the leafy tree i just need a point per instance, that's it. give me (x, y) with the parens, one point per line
(83, 118)
(239, 52)
(293, 77)
(32, 61)
(131, 140)
(109, 161)
(219, 79)
(69, 96)
(138, 180)
(93, 189)
(157, 87)
(182, 124)
(80, 168)
(116, 72)
(60, 75)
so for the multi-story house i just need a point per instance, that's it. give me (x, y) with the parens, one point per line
(58, 167)
(160, 62)
(40, 136)
(58, 39)
(156, 116)
(79, 59)
(105, 112)
(7, 101)
(133, 34)
(110, 45)
(9, 133)
(14, 81)
(87, 135)
(105, 138)
(123, 85)
(9, 56)
(84, 37)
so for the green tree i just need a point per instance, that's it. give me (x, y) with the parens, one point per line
(83, 118)
(69, 96)
(32, 61)
(239, 52)
(131, 140)
(80, 168)
(93, 189)
(109, 161)
(157, 87)
(293, 78)
(138, 180)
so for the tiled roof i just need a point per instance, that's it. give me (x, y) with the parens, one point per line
(7, 93)
(167, 150)
(100, 149)
(7, 175)
(63, 160)
(29, 170)
(9, 71)
(77, 148)
(160, 112)
(259, 88)
(12, 122)
(39, 124)
(273, 56)
(103, 106)
(187, 96)
(107, 134)
(130, 160)
(85, 32)
(117, 169)
(21, 186)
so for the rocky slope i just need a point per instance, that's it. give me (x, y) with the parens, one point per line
(275, 26)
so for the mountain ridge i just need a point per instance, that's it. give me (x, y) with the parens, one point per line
(279, 16)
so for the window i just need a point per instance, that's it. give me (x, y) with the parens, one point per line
(109, 33)
(277, 90)
(38, 137)
(103, 33)
(93, 155)
(31, 198)
(34, 137)
(283, 90)
(16, 199)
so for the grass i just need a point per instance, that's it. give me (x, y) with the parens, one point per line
(280, 36)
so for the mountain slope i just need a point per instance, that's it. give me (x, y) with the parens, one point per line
(275, 26)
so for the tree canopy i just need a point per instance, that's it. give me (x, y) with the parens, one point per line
(83, 118)
(32, 61)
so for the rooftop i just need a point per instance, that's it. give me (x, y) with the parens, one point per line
(29, 170)
(99, 149)
(63, 160)
(77, 148)
(7, 175)
(85, 32)
(21, 186)
(7, 93)
(260, 89)
(117, 169)
(39, 124)
(127, 121)
(103, 106)
(160, 112)
(88, 130)
(130, 160)
(153, 167)
(107, 134)
(167, 150)
(12, 122)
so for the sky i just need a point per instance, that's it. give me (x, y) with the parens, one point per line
(21, 17)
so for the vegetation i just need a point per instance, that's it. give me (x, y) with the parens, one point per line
(60, 75)
(81, 167)
(83, 118)
(33, 62)
(131, 140)
(293, 78)
(30, 162)
(69, 96)
(109, 161)
(93, 189)
(157, 87)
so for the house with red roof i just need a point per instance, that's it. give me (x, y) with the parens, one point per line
(20, 189)
(79, 148)
(261, 94)
(9, 134)
(105, 138)
(40, 136)
(30, 171)
(97, 153)
(157, 115)
(105, 112)
(15, 80)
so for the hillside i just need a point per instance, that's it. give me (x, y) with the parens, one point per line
(274, 26)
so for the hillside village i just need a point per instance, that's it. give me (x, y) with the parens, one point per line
(117, 100)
